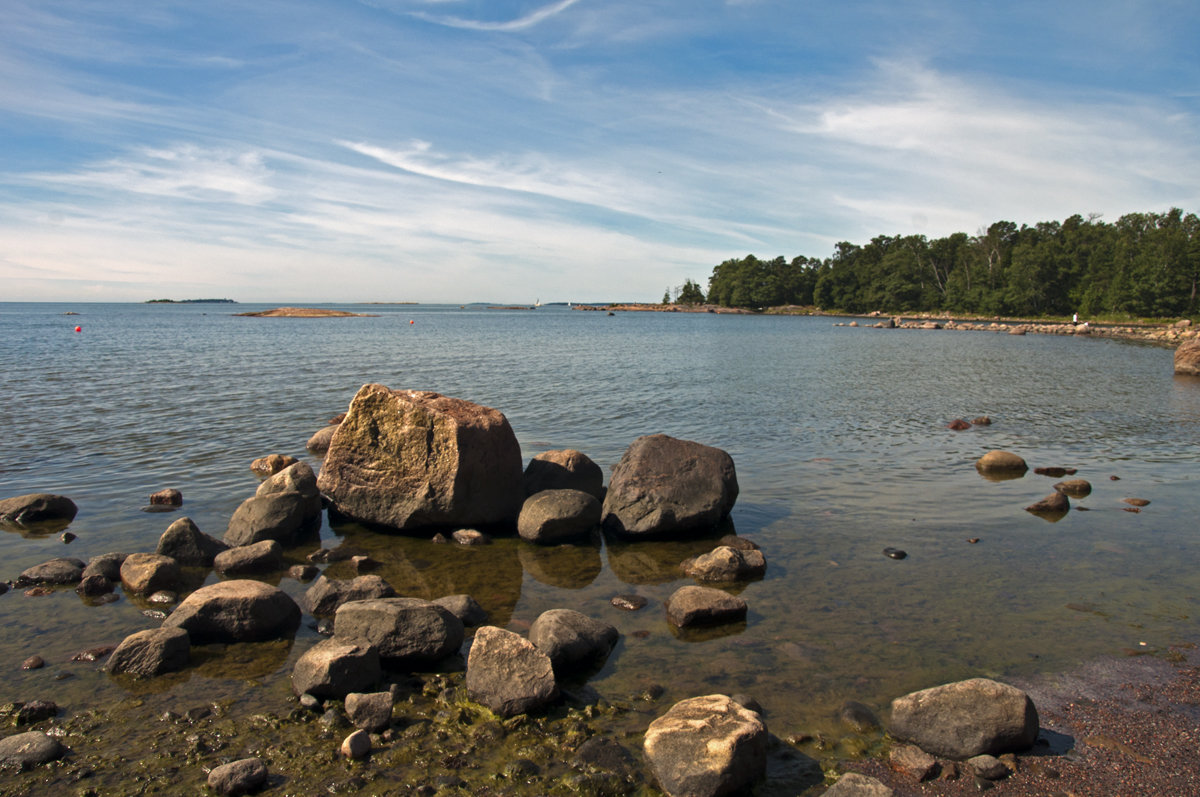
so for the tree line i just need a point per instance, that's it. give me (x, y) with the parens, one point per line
(1143, 265)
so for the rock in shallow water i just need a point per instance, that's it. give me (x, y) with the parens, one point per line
(696, 606)
(238, 777)
(508, 674)
(28, 750)
(236, 611)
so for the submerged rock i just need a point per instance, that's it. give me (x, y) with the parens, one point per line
(707, 746)
(694, 606)
(408, 459)
(667, 486)
(726, 564)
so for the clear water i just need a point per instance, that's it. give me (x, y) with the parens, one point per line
(838, 435)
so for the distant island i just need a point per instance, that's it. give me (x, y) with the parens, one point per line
(190, 301)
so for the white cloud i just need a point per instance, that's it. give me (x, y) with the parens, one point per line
(521, 23)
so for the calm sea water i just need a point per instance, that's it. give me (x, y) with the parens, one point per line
(838, 435)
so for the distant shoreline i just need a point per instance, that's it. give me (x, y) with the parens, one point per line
(190, 301)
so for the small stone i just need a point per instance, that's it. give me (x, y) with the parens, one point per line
(93, 585)
(67, 537)
(310, 702)
(1075, 488)
(36, 711)
(894, 553)
(1114, 478)
(304, 572)
(630, 603)
(988, 767)
(972, 540)
(94, 654)
(356, 745)
(163, 596)
(362, 564)
(911, 760)
(238, 777)
(1136, 501)
(470, 537)
(33, 663)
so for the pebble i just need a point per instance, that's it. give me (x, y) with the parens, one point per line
(37, 592)
(356, 745)
(973, 540)
(1136, 501)
(894, 553)
(630, 603)
(33, 663)
(163, 596)
(67, 536)
(154, 614)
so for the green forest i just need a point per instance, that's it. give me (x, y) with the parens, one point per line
(1144, 265)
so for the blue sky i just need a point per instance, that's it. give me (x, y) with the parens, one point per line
(499, 150)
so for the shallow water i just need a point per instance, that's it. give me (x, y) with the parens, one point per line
(838, 435)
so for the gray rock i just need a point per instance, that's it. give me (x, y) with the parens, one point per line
(236, 611)
(286, 507)
(693, 606)
(62, 570)
(465, 608)
(409, 459)
(28, 750)
(965, 719)
(508, 674)
(988, 767)
(554, 516)
(371, 712)
(143, 573)
(154, 651)
(666, 486)
(707, 746)
(333, 668)
(184, 542)
(35, 508)
(567, 469)
(107, 565)
(726, 564)
(319, 442)
(326, 594)
(853, 784)
(1075, 488)
(94, 585)
(238, 777)
(572, 639)
(265, 556)
(407, 632)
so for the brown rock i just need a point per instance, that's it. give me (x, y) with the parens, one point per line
(167, 497)
(1187, 358)
(408, 459)
(958, 424)
(508, 674)
(1054, 504)
(707, 746)
(1075, 488)
(692, 606)
(1136, 501)
(236, 611)
(143, 573)
(271, 464)
(1001, 462)
(912, 761)
(567, 469)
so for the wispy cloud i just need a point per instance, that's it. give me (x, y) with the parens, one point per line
(526, 22)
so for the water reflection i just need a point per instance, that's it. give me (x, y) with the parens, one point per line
(566, 566)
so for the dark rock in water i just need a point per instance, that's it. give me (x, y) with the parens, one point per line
(465, 608)
(167, 497)
(286, 507)
(184, 542)
(304, 572)
(143, 573)
(264, 556)
(749, 703)
(666, 486)
(958, 425)
(3, 587)
(508, 673)
(36, 711)
(630, 603)
(28, 750)
(694, 606)
(1052, 472)
(107, 565)
(271, 464)
(93, 585)
(35, 508)
(333, 668)
(94, 654)
(555, 516)
(725, 564)
(336, 419)
(152, 652)
(858, 717)
(357, 745)
(327, 594)
(56, 571)
(967, 718)
(572, 639)
(67, 537)
(319, 443)
(1051, 505)
(1136, 501)
(408, 459)
(236, 611)
(1075, 488)
(706, 747)
(567, 469)
(895, 553)
(238, 777)
(407, 632)
(33, 663)
(372, 712)
(362, 564)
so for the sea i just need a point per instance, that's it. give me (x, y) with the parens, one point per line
(839, 436)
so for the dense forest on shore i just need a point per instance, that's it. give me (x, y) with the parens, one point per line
(1143, 265)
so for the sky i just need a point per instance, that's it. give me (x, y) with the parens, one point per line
(560, 150)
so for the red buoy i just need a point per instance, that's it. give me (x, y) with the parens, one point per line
(78, 329)
(411, 321)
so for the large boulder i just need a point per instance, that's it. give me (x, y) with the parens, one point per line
(567, 469)
(236, 611)
(965, 719)
(571, 638)
(326, 594)
(184, 542)
(1187, 358)
(154, 651)
(707, 746)
(146, 573)
(666, 486)
(26, 510)
(333, 668)
(508, 673)
(554, 516)
(407, 632)
(285, 507)
(409, 459)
